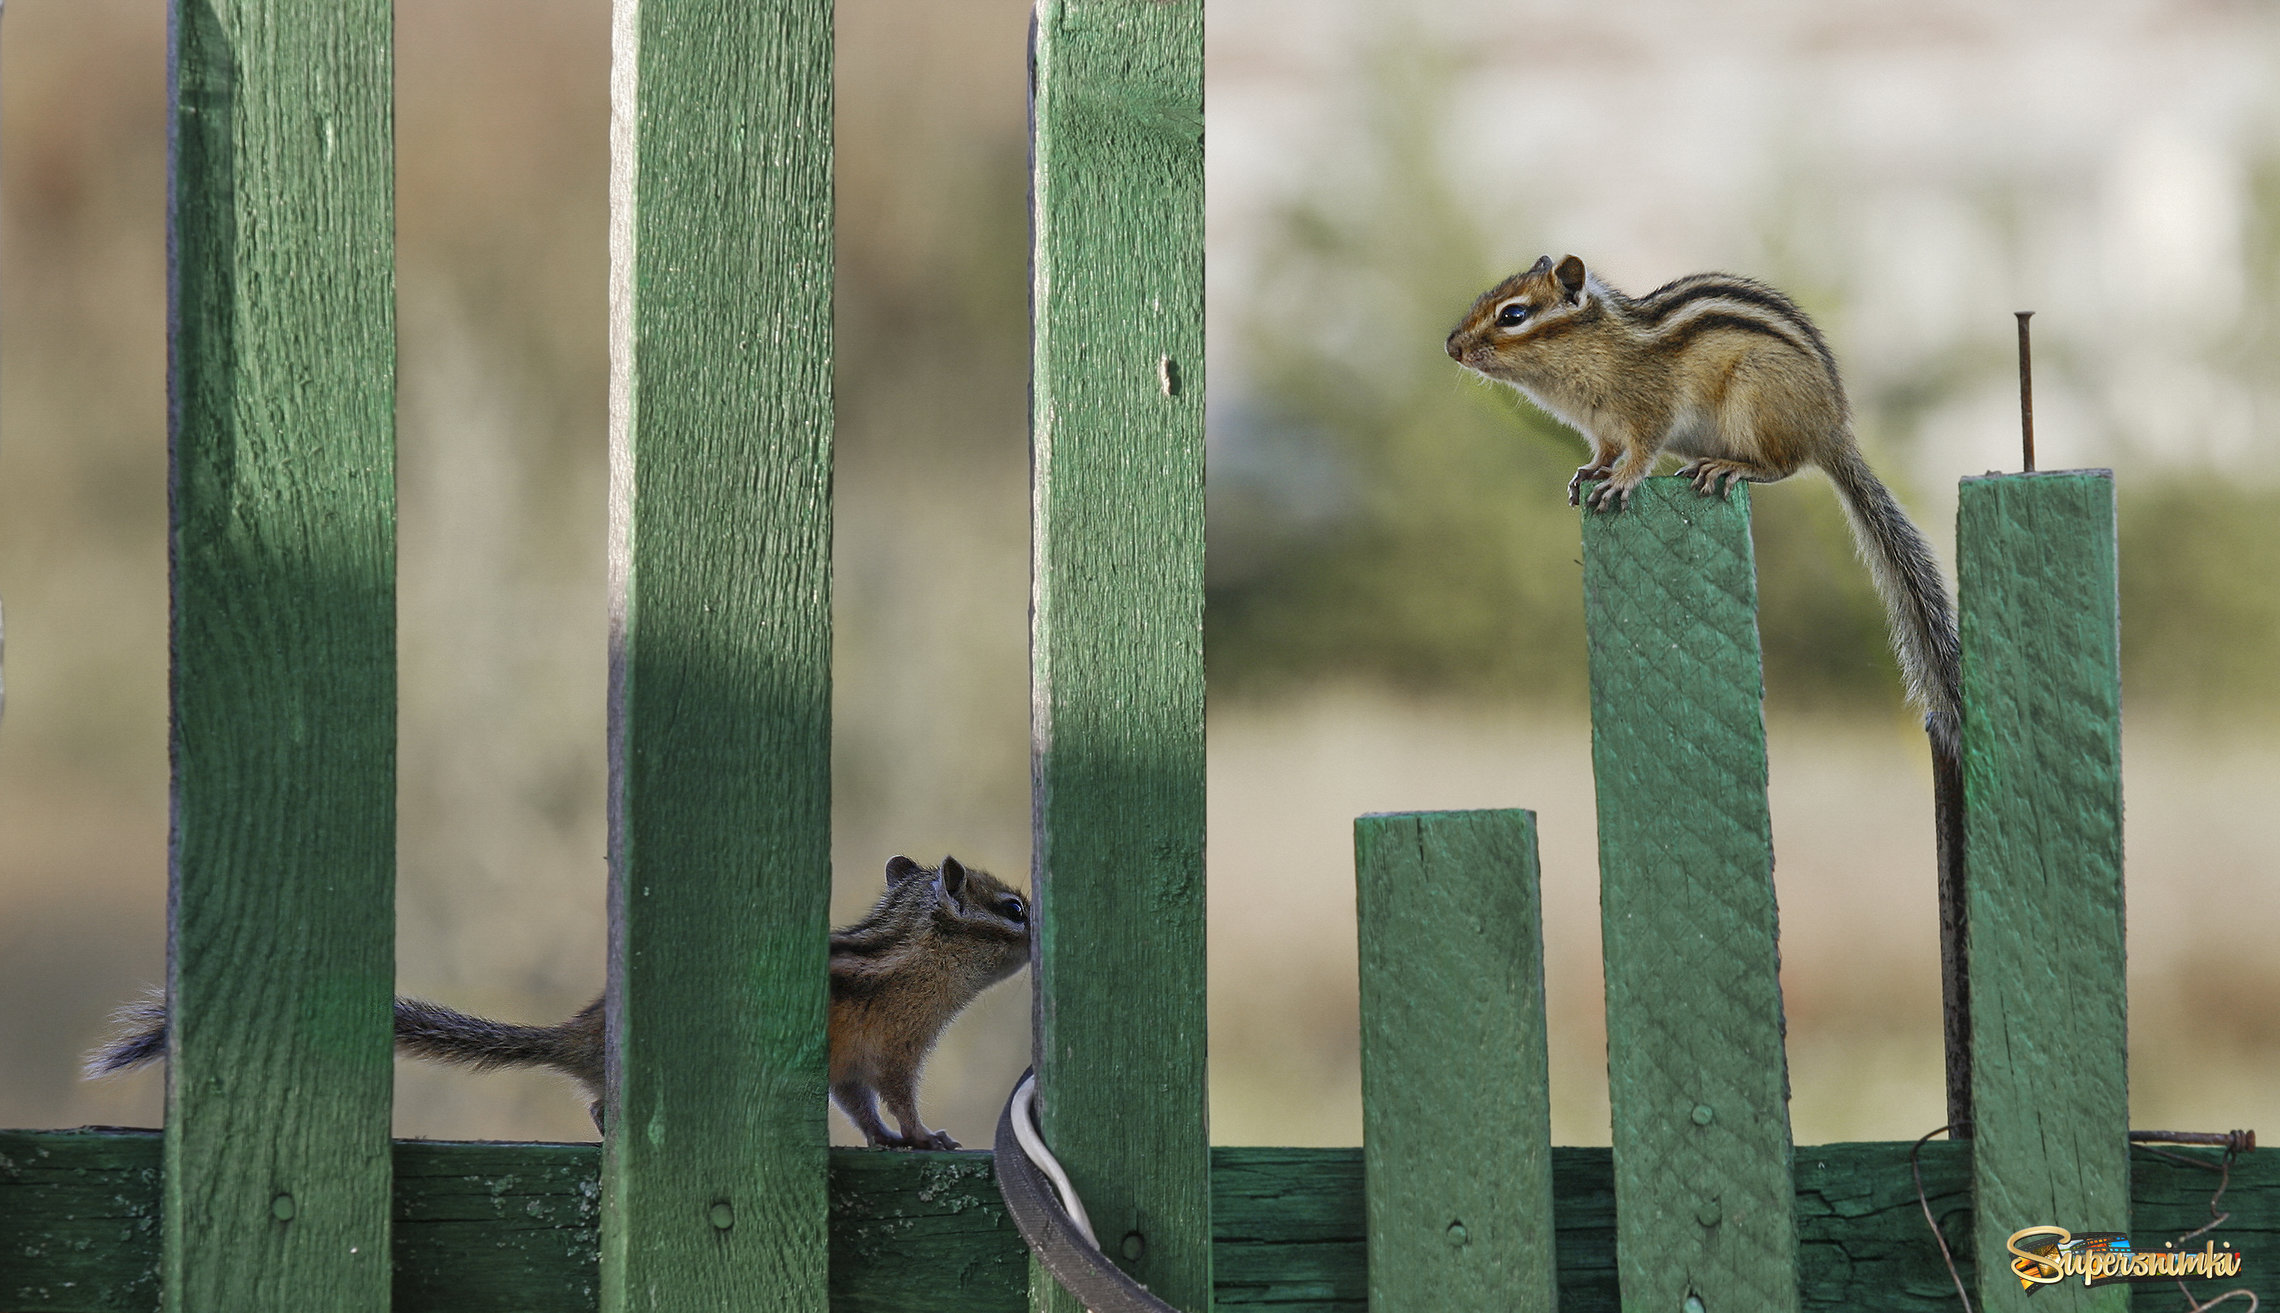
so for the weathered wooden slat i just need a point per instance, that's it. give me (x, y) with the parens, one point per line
(922, 1231)
(1117, 628)
(720, 305)
(2042, 782)
(1287, 1229)
(1453, 1054)
(1697, 1079)
(79, 1214)
(511, 1228)
(281, 952)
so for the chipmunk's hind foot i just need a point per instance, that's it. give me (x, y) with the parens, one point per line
(1710, 474)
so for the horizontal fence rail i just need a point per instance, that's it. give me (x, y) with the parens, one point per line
(511, 1228)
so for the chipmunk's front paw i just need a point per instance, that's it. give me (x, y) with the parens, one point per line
(1613, 495)
(935, 1140)
(1583, 476)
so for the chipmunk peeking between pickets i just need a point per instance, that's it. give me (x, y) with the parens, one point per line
(937, 938)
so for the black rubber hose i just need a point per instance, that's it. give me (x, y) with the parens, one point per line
(1049, 1232)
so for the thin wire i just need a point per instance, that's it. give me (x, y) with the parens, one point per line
(2224, 1180)
(2223, 1168)
(2217, 1218)
(1924, 1202)
(2253, 1302)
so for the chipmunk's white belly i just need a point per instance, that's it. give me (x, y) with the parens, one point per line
(1559, 408)
(1693, 431)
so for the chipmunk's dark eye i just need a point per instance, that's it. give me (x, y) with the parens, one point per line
(1511, 315)
(1012, 909)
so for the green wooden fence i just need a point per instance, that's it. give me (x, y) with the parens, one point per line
(274, 1185)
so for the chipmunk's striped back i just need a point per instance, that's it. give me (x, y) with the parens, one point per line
(1684, 308)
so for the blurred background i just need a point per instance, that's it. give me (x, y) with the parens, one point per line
(1395, 611)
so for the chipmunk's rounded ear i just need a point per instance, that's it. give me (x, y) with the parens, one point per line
(901, 868)
(953, 876)
(1570, 274)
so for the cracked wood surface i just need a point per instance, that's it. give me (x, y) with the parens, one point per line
(2043, 818)
(1696, 1074)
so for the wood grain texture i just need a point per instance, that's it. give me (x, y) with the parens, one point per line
(1697, 1078)
(1456, 1080)
(1288, 1229)
(2043, 816)
(922, 1231)
(495, 1228)
(511, 1228)
(720, 761)
(1117, 627)
(281, 953)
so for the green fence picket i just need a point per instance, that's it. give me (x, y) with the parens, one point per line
(1697, 1078)
(1117, 628)
(281, 955)
(713, 1189)
(2042, 782)
(1456, 1093)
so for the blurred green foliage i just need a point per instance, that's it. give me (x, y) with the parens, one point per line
(1380, 515)
(2201, 597)
(1374, 512)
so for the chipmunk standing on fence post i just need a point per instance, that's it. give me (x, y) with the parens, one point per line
(938, 937)
(1730, 374)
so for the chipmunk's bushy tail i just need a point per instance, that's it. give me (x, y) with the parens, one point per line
(423, 1030)
(1916, 602)
(141, 1038)
(441, 1034)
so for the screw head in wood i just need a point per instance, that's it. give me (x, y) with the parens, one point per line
(1457, 1236)
(1703, 1114)
(1708, 1214)
(1135, 1244)
(1693, 1304)
(723, 1216)
(282, 1208)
